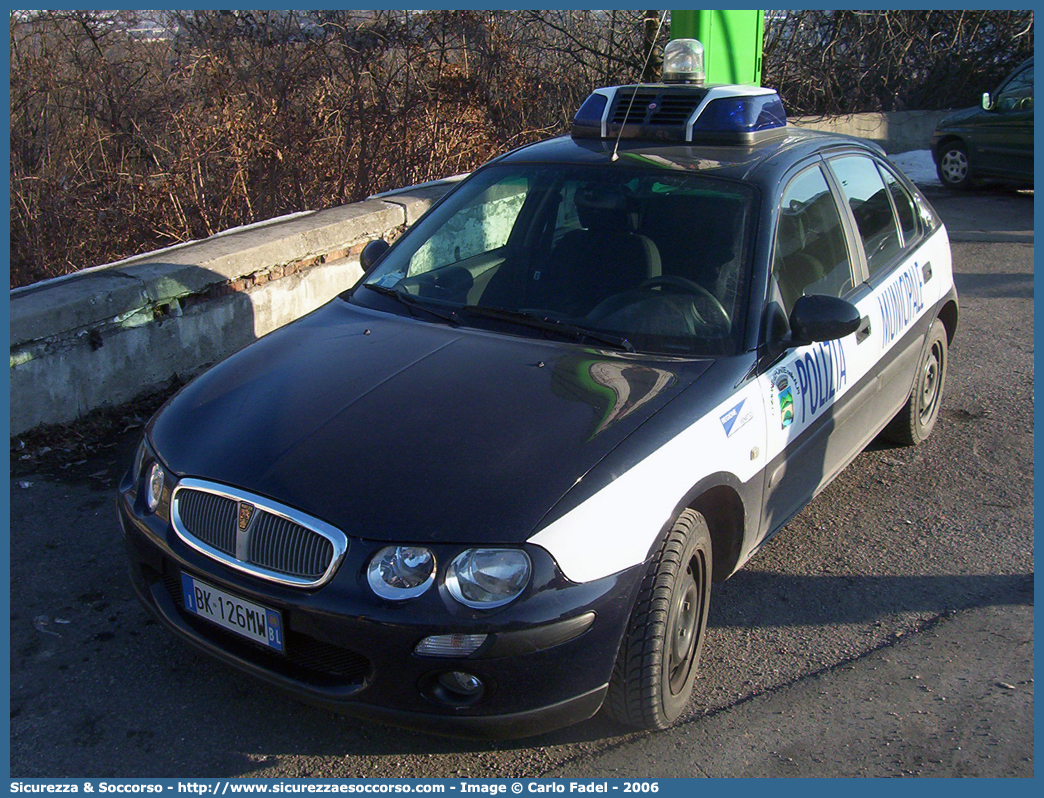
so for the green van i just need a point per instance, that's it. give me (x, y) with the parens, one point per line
(994, 141)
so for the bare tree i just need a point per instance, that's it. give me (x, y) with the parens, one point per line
(132, 130)
(831, 62)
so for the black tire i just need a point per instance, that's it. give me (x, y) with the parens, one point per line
(652, 679)
(914, 423)
(953, 167)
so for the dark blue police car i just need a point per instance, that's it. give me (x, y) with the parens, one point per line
(487, 489)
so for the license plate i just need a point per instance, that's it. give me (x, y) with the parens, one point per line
(245, 618)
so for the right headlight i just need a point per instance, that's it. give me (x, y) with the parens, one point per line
(488, 578)
(401, 572)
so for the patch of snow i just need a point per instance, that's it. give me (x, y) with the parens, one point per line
(918, 166)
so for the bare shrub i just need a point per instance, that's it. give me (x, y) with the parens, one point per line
(841, 62)
(128, 136)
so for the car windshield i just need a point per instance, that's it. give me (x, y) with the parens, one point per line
(641, 260)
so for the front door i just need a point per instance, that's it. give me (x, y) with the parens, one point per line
(1005, 141)
(814, 395)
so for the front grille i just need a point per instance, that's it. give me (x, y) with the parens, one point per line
(210, 518)
(655, 107)
(284, 546)
(256, 535)
(305, 656)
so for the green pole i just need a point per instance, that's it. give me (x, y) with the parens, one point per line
(731, 40)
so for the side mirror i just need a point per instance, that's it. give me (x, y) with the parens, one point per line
(822, 318)
(372, 253)
(987, 101)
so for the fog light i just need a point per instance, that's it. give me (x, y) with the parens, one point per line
(154, 486)
(461, 684)
(458, 645)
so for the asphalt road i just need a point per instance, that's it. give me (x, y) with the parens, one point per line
(887, 631)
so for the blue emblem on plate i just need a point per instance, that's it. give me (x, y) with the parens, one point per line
(188, 592)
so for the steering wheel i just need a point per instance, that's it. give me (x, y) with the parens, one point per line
(690, 287)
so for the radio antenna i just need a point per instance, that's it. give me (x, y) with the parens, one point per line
(638, 85)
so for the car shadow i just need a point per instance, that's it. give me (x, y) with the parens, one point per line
(994, 286)
(764, 599)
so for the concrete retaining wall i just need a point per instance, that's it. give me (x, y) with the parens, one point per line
(899, 131)
(105, 335)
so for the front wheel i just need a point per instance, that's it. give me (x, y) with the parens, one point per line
(916, 420)
(953, 166)
(656, 666)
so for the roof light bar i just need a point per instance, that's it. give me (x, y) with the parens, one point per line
(588, 120)
(742, 115)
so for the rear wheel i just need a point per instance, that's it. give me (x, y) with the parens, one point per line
(953, 166)
(916, 420)
(656, 667)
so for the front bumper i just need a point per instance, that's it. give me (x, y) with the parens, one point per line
(351, 652)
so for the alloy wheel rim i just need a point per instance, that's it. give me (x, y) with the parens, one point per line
(955, 166)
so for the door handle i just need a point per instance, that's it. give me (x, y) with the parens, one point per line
(863, 331)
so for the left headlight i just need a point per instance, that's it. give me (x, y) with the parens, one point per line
(488, 578)
(154, 480)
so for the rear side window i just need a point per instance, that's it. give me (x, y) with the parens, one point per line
(905, 209)
(811, 256)
(867, 196)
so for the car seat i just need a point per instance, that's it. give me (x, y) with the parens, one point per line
(605, 256)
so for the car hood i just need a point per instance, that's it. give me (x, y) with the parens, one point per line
(960, 118)
(395, 429)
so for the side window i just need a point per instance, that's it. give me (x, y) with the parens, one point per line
(1017, 94)
(868, 198)
(905, 208)
(476, 229)
(811, 256)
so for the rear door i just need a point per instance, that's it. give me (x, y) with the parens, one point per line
(906, 260)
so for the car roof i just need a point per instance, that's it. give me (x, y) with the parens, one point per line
(755, 163)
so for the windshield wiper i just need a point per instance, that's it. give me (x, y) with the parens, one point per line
(549, 325)
(412, 302)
